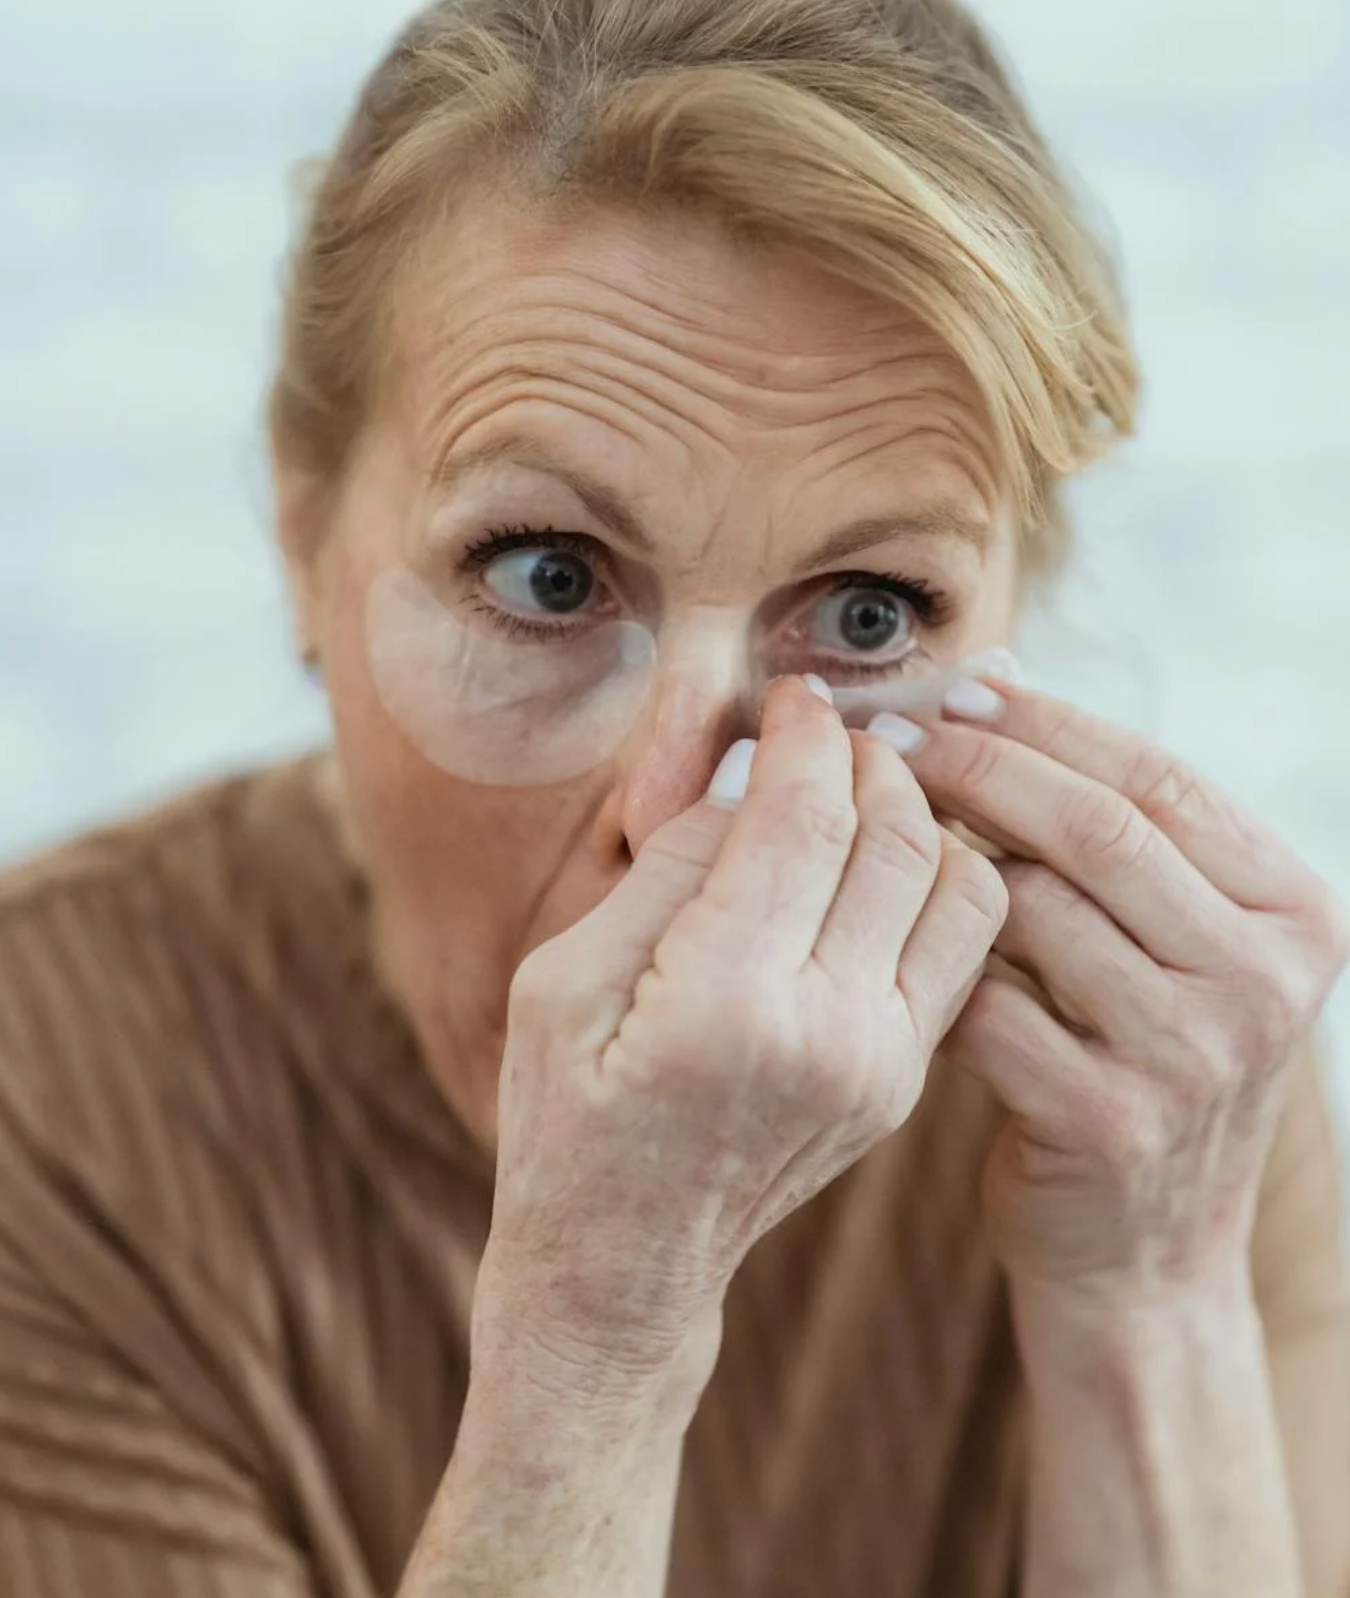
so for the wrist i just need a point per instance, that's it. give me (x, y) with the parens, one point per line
(566, 1463)
(1138, 1319)
(1145, 1290)
(1155, 1458)
(530, 1357)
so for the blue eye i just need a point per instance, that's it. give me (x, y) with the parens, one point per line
(864, 619)
(552, 580)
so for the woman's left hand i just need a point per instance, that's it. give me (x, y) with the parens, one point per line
(1176, 952)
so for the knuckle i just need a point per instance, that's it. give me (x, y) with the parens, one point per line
(1057, 726)
(1203, 1089)
(979, 884)
(902, 838)
(834, 1078)
(690, 840)
(981, 765)
(1260, 1003)
(1114, 1120)
(895, 1100)
(1124, 1132)
(544, 1002)
(1197, 1062)
(1328, 923)
(1278, 1004)
(764, 1016)
(1038, 889)
(839, 1091)
(818, 819)
(1179, 1023)
(1098, 824)
(1161, 786)
(534, 983)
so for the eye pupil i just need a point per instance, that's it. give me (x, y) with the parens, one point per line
(561, 582)
(870, 620)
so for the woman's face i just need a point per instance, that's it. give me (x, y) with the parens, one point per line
(624, 418)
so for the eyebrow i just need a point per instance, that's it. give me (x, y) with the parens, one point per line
(942, 519)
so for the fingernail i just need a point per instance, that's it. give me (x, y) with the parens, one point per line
(973, 701)
(1000, 663)
(819, 687)
(898, 731)
(732, 777)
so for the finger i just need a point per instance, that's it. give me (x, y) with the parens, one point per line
(1094, 837)
(889, 876)
(1066, 1097)
(616, 943)
(779, 870)
(1242, 858)
(1096, 978)
(945, 953)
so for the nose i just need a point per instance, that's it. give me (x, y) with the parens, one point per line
(693, 720)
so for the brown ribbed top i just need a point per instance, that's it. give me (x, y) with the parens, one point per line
(239, 1230)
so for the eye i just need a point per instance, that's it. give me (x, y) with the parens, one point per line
(862, 619)
(553, 580)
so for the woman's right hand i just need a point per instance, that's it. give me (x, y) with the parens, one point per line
(750, 1011)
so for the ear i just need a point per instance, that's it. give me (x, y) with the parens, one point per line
(303, 502)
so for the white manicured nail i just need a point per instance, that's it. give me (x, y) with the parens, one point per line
(732, 777)
(819, 687)
(898, 731)
(1000, 663)
(973, 701)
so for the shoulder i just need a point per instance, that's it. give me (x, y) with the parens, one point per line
(152, 972)
(196, 863)
(154, 1133)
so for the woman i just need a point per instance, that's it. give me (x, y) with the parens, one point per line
(855, 1110)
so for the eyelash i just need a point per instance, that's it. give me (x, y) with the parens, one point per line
(929, 603)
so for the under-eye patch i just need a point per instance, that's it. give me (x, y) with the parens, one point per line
(496, 709)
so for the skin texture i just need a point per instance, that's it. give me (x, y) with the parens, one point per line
(776, 977)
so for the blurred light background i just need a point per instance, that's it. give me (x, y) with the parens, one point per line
(145, 148)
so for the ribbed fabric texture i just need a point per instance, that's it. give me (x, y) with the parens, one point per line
(239, 1230)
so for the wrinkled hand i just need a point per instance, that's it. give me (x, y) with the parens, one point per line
(1167, 954)
(749, 1011)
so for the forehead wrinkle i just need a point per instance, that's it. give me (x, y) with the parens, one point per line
(459, 421)
(740, 331)
(893, 422)
(883, 434)
(599, 390)
(938, 411)
(587, 373)
(659, 307)
(722, 366)
(653, 381)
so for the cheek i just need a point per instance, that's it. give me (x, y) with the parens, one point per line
(442, 852)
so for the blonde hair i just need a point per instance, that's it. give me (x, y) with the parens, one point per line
(882, 137)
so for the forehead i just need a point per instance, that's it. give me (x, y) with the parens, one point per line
(668, 327)
(766, 315)
(680, 268)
